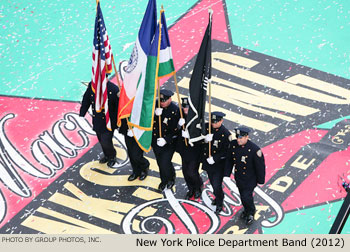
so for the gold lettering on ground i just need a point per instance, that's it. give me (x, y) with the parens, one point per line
(48, 226)
(259, 209)
(281, 184)
(89, 172)
(146, 194)
(290, 85)
(235, 117)
(334, 90)
(235, 230)
(239, 60)
(302, 164)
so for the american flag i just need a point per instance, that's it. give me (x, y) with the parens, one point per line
(101, 65)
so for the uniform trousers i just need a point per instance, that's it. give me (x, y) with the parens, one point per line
(247, 199)
(216, 177)
(164, 156)
(105, 139)
(138, 162)
(191, 174)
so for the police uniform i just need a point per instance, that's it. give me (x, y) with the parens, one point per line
(190, 158)
(215, 171)
(138, 162)
(249, 170)
(104, 135)
(169, 118)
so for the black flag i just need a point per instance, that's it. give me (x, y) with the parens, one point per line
(195, 123)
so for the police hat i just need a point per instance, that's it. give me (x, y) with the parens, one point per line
(217, 116)
(184, 102)
(242, 131)
(165, 94)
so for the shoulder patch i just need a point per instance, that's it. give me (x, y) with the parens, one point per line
(259, 153)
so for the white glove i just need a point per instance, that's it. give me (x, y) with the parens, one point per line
(210, 160)
(161, 142)
(130, 134)
(181, 122)
(208, 138)
(158, 111)
(185, 134)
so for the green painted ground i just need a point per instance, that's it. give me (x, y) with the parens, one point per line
(314, 220)
(45, 46)
(315, 33)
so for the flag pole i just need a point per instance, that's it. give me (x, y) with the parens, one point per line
(159, 121)
(116, 72)
(210, 10)
(209, 82)
(160, 32)
(180, 106)
(115, 69)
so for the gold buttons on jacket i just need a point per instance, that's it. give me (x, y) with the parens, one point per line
(243, 173)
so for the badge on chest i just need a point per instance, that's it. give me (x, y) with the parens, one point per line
(165, 121)
(216, 143)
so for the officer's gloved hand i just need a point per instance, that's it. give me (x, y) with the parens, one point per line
(208, 138)
(181, 122)
(130, 133)
(158, 111)
(210, 160)
(185, 134)
(161, 142)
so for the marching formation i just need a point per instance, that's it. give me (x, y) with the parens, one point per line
(149, 118)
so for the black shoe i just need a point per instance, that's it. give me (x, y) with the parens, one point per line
(170, 184)
(132, 177)
(143, 175)
(243, 215)
(218, 209)
(111, 162)
(213, 202)
(249, 219)
(161, 186)
(197, 194)
(189, 194)
(103, 160)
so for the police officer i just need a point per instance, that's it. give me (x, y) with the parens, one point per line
(249, 164)
(104, 135)
(138, 162)
(164, 145)
(213, 163)
(190, 157)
